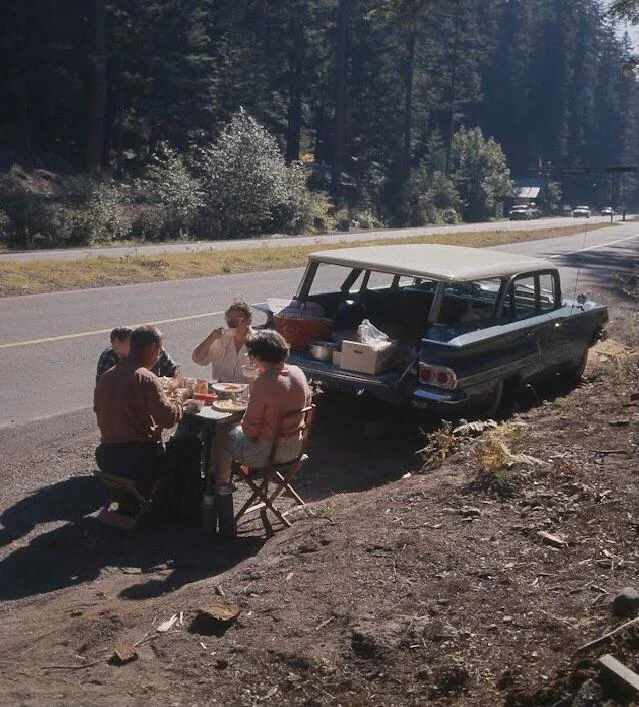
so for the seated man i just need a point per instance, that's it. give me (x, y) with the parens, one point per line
(119, 349)
(132, 410)
(278, 389)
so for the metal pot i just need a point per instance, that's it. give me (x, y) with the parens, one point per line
(321, 350)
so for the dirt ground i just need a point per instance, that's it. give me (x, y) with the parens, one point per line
(440, 566)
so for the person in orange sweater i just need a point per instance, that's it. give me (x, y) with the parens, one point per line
(278, 389)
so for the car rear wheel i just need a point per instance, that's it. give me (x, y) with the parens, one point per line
(574, 372)
(493, 401)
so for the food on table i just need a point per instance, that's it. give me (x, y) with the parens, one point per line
(229, 405)
(229, 388)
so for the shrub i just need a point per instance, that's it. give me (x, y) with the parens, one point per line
(174, 191)
(75, 211)
(247, 187)
(429, 198)
(480, 173)
(6, 227)
(319, 213)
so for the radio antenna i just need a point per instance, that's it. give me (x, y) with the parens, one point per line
(574, 294)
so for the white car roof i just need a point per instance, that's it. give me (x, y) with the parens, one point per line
(437, 262)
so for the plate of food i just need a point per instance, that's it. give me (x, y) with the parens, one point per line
(229, 405)
(229, 388)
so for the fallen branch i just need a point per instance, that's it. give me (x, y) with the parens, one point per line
(145, 639)
(324, 623)
(606, 636)
(70, 667)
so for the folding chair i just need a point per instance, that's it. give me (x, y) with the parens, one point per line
(276, 477)
(124, 491)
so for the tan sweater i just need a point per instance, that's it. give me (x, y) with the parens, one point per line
(280, 390)
(131, 406)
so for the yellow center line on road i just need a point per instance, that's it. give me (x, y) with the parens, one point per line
(79, 335)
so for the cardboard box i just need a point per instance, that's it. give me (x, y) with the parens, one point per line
(363, 358)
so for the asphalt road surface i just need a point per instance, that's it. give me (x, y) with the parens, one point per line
(49, 344)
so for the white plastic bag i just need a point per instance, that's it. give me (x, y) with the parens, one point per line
(371, 335)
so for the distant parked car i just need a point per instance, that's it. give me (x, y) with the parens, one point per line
(520, 212)
(584, 211)
(607, 211)
(534, 211)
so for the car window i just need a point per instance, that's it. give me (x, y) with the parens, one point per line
(524, 300)
(521, 298)
(379, 280)
(331, 278)
(546, 292)
(469, 304)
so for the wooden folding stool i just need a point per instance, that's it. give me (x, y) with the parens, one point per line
(125, 491)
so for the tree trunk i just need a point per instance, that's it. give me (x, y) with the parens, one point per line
(408, 104)
(260, 23)
(296, 72)
(340, 98)
(98, 90)
(24, 123)
(450, 132)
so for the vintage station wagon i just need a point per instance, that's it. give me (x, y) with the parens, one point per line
(464, 323)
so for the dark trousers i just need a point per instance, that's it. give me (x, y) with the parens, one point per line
(145, 462)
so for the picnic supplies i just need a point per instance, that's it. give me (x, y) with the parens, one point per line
(369, 334)
(300, 331)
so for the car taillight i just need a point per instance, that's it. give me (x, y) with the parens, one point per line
(437, 375)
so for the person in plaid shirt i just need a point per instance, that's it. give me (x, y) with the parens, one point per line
(119, 349)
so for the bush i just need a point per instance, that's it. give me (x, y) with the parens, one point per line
(174, 191)
(247, 187)
(320, 213)
(6, 227)
(480, 173)
(74, 211)
(430, 198)
(366, 219)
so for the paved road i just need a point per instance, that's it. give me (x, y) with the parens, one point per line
(280, 241)
(49, 343)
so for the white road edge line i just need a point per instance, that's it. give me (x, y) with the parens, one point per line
(79, 335)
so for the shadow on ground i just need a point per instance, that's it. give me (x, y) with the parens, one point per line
(69, 500)
(597, 265)
(78, 551)
(357, 443)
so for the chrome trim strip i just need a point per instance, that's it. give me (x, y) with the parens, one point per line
(513, 365)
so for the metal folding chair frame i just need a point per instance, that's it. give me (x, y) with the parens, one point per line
(279, 474)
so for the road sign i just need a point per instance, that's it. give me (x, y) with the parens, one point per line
(574, 170)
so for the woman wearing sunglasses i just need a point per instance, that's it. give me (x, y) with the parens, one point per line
(225, 349)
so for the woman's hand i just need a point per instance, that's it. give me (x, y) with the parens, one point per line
(216, 334)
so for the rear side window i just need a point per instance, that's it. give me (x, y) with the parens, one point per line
(546, 292)
(469, 304)
(530, 295)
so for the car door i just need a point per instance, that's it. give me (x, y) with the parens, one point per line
(534, 300)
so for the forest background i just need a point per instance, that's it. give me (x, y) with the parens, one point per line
(156, 119)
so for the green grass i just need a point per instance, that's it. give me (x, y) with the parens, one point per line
(38, 276)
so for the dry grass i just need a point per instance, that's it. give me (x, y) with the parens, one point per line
(38, 276)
